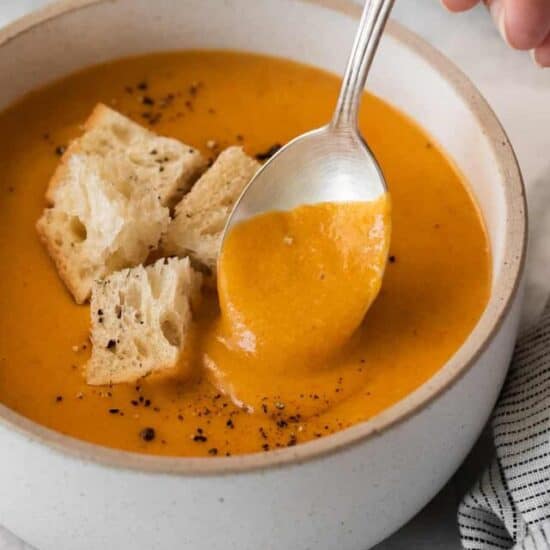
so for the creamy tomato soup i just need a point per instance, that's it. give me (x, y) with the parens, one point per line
(434, 290)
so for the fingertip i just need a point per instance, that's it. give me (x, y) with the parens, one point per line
(459, 5)
(526, 23)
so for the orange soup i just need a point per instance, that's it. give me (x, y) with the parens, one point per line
(434, 290)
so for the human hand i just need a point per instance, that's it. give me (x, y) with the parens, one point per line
(524, 24)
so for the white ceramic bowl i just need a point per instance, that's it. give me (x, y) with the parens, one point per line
(346, 491)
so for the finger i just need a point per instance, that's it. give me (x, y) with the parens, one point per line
(459, 5)
(526, 22)
(542, 53)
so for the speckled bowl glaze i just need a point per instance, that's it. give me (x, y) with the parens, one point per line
(346, 491)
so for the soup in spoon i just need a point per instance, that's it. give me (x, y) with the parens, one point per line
(293, 288)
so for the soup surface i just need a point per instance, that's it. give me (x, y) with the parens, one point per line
(435, 286)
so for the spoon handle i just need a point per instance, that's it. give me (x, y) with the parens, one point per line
(371, 26)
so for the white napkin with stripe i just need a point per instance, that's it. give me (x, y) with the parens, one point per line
(509, 507)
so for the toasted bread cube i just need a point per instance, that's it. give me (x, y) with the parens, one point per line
(109, 198)
(137, 156)
(94, 229)
(200, 217)
(140, 319)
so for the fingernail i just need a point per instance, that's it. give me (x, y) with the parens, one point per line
(533, 55)
(498, 13)
(542, 61)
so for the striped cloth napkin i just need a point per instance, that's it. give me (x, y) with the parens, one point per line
(509, 507)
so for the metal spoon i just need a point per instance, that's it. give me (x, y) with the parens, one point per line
(332, 163)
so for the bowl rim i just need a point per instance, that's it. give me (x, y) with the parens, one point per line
(502, 294)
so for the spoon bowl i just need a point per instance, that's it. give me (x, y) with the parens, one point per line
(329, 164)
(332, 163)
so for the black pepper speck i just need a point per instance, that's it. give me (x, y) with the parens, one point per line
(147, 434)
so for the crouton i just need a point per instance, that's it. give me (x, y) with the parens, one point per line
(110, 198)
(140, 318)
(200, 217)
(94, 229)
(166, 165)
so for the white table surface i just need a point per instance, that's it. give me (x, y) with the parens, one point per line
(519, 92)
